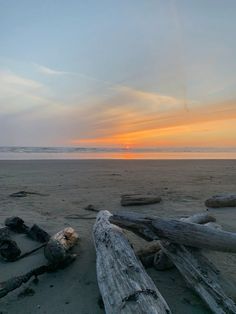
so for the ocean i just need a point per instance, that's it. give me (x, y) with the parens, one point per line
(29, 153)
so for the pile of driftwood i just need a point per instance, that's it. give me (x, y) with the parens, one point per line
(56, 250)
(124, 284)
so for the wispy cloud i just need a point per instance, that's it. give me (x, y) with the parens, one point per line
(48, 71)
(141, 118)
(18, 93)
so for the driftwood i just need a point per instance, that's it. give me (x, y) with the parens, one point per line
(161, 261)
(56, 250)
(222, 200)
(91, 208)
(58, 256)
(26, 193)
(200, 274)
(30, 252)
(137, 199)
(149, 249)
(147, 254)
(124, 285)
(176, 231)
(152, 255)
(9, 249)
(18, 225)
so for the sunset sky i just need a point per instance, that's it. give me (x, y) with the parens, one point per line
(127, 73)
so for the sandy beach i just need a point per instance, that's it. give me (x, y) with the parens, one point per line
(67, 187)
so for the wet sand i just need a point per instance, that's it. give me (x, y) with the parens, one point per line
(71, 185)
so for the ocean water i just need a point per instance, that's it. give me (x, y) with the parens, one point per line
(28, 153)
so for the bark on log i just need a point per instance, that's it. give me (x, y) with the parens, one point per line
(58, 246)
(176, 231)
(200, 274)
(124, 285)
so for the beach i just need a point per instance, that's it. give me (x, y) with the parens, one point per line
(66, 187)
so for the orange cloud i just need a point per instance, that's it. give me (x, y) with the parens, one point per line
(144, 119)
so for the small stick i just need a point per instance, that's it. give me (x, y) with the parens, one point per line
(30, 252)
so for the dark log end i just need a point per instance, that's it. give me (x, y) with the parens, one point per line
(16, 224)
(9, 250)
(38, 234)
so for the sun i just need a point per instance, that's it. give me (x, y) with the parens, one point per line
(127, 146)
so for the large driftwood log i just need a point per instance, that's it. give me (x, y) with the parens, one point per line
(57, 253)
(200, 274)
(177, 231)
(124, 285)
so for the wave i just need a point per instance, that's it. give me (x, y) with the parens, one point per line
(60, 150)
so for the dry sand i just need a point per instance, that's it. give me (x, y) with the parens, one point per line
(72, 185)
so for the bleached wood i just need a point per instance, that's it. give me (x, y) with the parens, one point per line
(152, 255)
(200, 274)
(124, 285)
(177, 231)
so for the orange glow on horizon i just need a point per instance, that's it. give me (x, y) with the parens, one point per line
(202, 134)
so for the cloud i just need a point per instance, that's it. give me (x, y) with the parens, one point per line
(142, 118)
(18, 94)
(48, 71)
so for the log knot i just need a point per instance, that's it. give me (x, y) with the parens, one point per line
(134, 296)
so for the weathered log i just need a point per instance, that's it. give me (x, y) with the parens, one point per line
(137, 199)
(16, 224)
(36, 233)
(58, 246)
(9, 249)
(161, 260)
(200, 274)
(4, 233)
(124, 285)
(222, 200)
(15, 282)
(176, 231)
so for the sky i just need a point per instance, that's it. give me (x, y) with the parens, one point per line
(127, 73)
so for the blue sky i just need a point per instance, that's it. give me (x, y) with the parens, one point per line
(72, 71)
